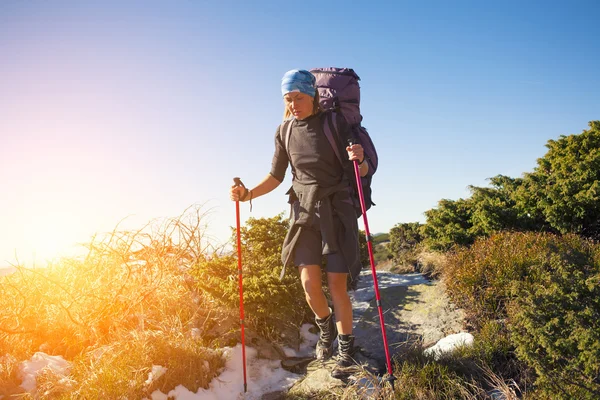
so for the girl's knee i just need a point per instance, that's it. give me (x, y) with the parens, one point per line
(310, 276)
(338, 287)
(311, 287)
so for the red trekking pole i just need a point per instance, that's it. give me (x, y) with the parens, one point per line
(391, 378)
(238, 182)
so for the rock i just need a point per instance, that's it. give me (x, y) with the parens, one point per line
(449, 343)
(316, 380)
(265, 349)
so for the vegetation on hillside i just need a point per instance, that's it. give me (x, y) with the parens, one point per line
(520, 257)
(127, 305)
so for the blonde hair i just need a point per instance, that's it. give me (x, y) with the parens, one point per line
(287, 114)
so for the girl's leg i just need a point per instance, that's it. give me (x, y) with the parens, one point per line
(310, 276)
(345, 364)
(341, 301)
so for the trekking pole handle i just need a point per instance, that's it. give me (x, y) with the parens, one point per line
(238, 182)
(352, 141)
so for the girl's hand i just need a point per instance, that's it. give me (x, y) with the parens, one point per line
(355, 152)
(237, 193)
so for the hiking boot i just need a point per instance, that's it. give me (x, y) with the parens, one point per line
(346, 365)
(327, 337)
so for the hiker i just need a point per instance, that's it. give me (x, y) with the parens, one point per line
(324, 220)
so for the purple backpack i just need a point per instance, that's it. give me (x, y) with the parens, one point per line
(339, 92)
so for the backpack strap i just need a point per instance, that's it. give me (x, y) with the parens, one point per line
(330, 129)
(285, 131)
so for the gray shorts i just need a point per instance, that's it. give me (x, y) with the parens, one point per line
(310, 245)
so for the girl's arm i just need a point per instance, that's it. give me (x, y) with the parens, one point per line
(265, 186)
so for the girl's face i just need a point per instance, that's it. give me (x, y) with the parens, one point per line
(299, 104)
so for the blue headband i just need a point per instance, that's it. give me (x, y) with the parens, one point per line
(298, 80)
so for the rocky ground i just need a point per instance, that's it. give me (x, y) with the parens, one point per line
(416, 311)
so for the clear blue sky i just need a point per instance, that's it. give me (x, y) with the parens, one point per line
(111, 109)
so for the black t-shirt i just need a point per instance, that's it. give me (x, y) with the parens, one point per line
(310, 153)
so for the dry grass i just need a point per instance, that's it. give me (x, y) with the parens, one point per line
(130, 295)
(419, 377)
(506, 389)
(431, 263)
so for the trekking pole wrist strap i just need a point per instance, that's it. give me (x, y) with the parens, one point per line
(247, 195)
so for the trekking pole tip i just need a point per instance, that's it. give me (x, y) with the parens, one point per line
(390, 378)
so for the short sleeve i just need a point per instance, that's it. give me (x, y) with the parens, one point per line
(280, 158)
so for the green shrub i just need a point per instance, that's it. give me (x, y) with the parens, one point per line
(364, 248)
(379, 238)
(448, 225)
(481, 279)
(545, 288)
(564, 188)
(562, 194)
(492, 209)
(403, 246)
(555, 324)
(381, 254)
(268, 302)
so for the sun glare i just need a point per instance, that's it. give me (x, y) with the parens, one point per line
(43, 238)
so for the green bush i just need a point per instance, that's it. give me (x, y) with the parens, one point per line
(495, 208)
(562, 194)
(555, 324)
(404, 239)
(381, 254)
(268, 302)
(545, 289)
(489, 210)
(379, 238)
(564, 188)
(482, 278)
(364, 248)
(448, 225)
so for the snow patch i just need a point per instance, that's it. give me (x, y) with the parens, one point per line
(29, 370)
(263, 376)
(156, 372)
